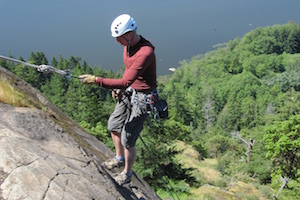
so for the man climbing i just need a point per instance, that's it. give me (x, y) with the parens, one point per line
(132, 90)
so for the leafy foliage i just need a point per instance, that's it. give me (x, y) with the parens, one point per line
(283, 144)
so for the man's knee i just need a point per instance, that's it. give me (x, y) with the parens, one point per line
(116, 133)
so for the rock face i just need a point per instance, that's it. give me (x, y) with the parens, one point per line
(46, 155)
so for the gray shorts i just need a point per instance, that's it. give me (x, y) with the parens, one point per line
(128, 118)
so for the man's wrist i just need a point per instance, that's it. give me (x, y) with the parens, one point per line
(98, 79)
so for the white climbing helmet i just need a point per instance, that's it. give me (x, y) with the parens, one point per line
(122, 24)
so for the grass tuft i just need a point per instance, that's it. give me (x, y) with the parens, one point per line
(10, 95)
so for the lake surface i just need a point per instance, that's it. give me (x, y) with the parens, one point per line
(178, 29)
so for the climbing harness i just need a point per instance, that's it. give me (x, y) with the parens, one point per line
(42, 68)
(156, 107)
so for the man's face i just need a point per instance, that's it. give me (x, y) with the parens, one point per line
(125, 38)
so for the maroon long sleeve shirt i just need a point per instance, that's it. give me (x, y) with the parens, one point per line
(140, 69)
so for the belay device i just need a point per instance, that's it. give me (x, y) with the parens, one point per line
(42, 68)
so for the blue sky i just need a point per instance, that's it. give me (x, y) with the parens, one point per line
(178, 29)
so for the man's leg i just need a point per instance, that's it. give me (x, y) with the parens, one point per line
(119, 159)
(116, 137)
(130, 155)
(125, 176)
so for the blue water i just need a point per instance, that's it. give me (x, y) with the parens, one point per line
(178, 29)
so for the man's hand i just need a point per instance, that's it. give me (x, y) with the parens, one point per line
(87, 78)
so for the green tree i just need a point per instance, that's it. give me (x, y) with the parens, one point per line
(157, 163)
(282, 142)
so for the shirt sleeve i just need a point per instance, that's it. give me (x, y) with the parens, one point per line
(138, 66)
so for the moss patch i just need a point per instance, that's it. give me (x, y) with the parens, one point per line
(10, 95)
